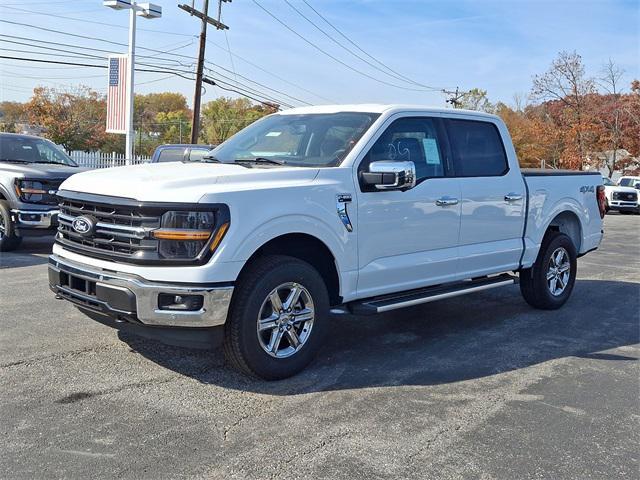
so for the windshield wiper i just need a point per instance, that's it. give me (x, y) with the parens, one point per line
(13, 160)
(270, 161)
(208, 159)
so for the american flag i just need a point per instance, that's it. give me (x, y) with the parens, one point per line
(117, 94)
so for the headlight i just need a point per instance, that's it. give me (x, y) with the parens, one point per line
(188, 235)
(30, 190)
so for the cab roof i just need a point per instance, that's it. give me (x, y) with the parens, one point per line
(380, 108)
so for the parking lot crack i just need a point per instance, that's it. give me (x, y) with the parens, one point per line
(58, 356)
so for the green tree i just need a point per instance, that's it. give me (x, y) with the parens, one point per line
(223, 117)
(476, 99)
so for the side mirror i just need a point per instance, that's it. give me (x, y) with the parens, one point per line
(389, 175)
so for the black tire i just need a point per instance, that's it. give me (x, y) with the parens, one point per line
(533, 281)
(606, 206)
(8, 239)
(242, 346)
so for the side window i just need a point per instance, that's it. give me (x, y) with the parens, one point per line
(476, 148)
(171, 155)
(196, 154)
(413, 139)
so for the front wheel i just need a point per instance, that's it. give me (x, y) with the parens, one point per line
(278, 318)
(8, 239)
(548, 283)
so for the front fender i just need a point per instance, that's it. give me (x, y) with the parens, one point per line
(288, 224)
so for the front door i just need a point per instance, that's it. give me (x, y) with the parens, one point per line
(409, 239)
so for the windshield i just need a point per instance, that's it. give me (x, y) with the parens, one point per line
(311, 140)
(32, 150)
(627, 181)
(607, 181)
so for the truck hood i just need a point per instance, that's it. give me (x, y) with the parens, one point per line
(616, 188)
(184, 182)
(39, 170)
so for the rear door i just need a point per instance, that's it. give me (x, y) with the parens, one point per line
(493, 198)
(408, 239)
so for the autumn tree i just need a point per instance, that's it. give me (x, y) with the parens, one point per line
(567, 83)
(11, 113)
(608, 113)
(72, 118)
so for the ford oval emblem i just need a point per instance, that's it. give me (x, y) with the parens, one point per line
(83, 225)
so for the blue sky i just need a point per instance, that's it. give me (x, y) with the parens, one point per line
(494, 45)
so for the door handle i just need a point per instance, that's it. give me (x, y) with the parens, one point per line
(446, 201)
(512, 197)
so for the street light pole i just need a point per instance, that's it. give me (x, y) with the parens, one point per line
(130, 138)
(146, 10)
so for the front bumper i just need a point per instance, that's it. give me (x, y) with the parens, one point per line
(131, 298)
(35, 219)
(624, 206)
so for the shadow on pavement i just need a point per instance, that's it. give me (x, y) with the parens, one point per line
(32, 251)
(450, 341)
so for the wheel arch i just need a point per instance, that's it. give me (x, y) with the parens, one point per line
(307, 248)
(569, 223)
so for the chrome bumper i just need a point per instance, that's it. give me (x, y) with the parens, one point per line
(129, 297)
(35, 218)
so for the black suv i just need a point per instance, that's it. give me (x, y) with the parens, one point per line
(31, 170)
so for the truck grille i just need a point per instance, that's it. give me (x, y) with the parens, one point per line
(119, 231)
(625, 196)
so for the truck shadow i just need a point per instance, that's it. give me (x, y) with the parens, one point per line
(32, 251)
(449, 341)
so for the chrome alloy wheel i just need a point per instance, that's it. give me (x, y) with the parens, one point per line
(559, 271)
(285, 320)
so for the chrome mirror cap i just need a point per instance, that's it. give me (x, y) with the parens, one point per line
(403, 175)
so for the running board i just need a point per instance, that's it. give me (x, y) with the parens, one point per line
(410, 298)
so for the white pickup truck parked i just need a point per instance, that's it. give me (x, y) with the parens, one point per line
(364, 208)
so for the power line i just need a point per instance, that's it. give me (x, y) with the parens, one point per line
(363, 51)
(321, 50)
(391, 73)
(229, 87)
(275, 75)
(83, 20)
(99, 39)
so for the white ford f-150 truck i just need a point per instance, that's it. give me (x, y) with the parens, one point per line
(361, 208)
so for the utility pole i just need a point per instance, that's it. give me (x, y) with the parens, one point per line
(455, 97)
(204, 16)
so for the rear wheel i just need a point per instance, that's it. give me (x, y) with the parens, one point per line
(548, 283)
(8, 239)
(278, 318)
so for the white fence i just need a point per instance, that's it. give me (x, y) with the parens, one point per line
(105, 160)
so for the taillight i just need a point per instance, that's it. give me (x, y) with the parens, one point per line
(602, 200)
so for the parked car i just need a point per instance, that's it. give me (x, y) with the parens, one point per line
(180, 153)
(361, 208)
(621, 199)
(31, 171)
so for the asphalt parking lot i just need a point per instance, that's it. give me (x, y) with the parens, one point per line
(476, 387)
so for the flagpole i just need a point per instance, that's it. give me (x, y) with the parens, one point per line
(130, 73)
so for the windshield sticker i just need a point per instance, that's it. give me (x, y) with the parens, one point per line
(273, 134)
(431, 151)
